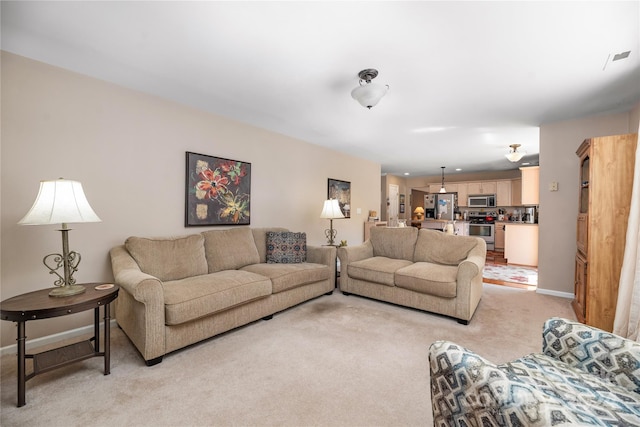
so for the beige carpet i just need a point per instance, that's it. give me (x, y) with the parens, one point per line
(333, 361)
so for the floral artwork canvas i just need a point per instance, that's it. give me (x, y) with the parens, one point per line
(218, 191)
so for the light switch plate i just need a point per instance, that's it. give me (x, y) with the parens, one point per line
(358, 211)
(553, 186)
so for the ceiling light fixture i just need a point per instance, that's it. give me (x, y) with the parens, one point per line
(442, 189)
(514, 155)
(368, 94)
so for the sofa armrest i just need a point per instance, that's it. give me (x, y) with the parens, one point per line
(593, 350)
(349, 254)
(127, 274)
(322, 255)
(466, 389)
(325, 255)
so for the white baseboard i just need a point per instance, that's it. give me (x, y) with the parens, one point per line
(50, 339)
(568, 295)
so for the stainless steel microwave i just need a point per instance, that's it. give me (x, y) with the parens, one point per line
(482, 201)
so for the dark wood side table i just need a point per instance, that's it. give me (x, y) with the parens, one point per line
(39, 305)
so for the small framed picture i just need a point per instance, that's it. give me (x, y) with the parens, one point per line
(340, 190)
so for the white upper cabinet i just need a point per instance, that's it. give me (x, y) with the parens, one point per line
(530, 185)
(503, 193)
(481, 187)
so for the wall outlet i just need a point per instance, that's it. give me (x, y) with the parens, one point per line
(553, 186)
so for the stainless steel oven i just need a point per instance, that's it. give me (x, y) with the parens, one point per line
(486, 232)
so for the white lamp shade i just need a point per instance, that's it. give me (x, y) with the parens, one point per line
(515, 156)
(369, 94)
(59, 201)
(331, 210)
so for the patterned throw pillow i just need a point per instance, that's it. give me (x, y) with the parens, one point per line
(286, 247)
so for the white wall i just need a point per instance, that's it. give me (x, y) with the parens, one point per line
(128, 150)
(559, 210)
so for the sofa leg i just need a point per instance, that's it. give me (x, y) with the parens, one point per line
(329, 293)
(269, 317)
(463, 322)
(345, 293)
(153, 361)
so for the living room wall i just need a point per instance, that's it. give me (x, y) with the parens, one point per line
(559, 209)
(128, 150)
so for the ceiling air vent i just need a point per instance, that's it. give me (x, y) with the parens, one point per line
(622, 55)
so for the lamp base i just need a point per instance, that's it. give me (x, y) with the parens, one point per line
(66, 291)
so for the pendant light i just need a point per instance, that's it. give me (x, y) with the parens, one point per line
(514, 155)
(442, 189)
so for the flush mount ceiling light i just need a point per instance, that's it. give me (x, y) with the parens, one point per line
(368, 94)
(514, 155)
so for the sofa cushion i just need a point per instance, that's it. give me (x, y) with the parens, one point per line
(286, 247)
(230, 249)
(169, 258)
(442, 248)
(289, 276)
(395, 243)
(428, 278)
(200, 296)
(377, 269)
(260, 237)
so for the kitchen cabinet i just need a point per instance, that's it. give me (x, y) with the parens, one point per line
(451, 188)
(463, 193)
(530, 185)
(516, 192)
(434, 188)
(503, 193)
(521, 244)
(499, 236)
(481, 187)
(605, 183)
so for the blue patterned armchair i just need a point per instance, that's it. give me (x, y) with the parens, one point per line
(584, 376)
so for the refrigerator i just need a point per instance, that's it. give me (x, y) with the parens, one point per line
(445, 206)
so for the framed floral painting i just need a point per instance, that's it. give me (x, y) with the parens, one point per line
(340, 190)
(218, 191)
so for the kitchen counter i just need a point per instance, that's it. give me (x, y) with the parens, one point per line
(515, 223)
(461, 227)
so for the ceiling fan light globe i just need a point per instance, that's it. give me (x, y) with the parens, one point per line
(515, 156)
(369, 94)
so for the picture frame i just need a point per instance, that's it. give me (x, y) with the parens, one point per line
(402, 203)
(218, 191)
(340, 190)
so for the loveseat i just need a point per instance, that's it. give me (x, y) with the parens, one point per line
(424, 269)
(177, 291)
(584, 376)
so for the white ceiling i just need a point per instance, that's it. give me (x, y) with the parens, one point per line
(467, 79)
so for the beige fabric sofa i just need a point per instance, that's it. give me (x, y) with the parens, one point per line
(180, 290)
(424, 269)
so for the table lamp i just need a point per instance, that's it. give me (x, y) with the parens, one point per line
(419, 211)
(61, 201)
(331, 210)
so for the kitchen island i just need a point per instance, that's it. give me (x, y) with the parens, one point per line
(521, 243)
(461, 227)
